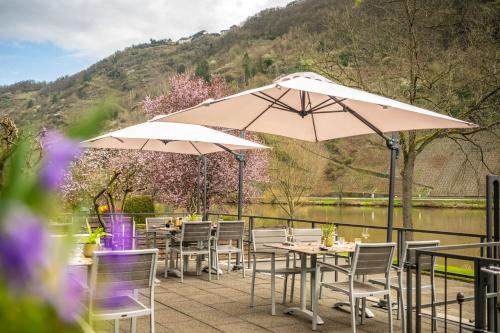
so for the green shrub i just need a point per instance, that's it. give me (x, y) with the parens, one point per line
(139, 204)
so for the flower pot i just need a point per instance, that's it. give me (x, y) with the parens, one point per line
(329, 241)
(89, 249)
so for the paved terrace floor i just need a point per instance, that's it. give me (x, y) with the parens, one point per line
(198, 305)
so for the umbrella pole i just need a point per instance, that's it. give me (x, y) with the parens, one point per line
(198, 186)
(205, 211)
(393, 146)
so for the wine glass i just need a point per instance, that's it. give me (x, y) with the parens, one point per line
(365, 233)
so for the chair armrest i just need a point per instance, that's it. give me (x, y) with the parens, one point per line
(396, 268)
(334, 267)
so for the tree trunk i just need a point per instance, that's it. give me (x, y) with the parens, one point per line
(410, 156)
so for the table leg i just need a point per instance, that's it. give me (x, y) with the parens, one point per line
(303, 276)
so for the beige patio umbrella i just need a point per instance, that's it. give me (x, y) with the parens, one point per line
(173, 138)
(309, 107)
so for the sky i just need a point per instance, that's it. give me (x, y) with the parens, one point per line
(42, 40)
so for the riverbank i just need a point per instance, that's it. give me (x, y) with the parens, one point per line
(462, 203)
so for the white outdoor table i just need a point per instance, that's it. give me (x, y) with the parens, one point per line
(305, 250)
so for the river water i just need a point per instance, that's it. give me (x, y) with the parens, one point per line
(445, 219)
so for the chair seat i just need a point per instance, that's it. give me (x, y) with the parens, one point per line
(394, 283)
(360, 288)
(187, 250)
(118, 307)
(227, 249)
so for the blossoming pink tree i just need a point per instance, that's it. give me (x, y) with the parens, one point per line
(170, 178)
(175, 174)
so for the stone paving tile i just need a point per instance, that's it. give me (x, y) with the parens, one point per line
(168, 316)
(209, 299)
(265, 319)
(169, 298)
(243, 327)
(190, 306)
(190, 327)
(215, 317)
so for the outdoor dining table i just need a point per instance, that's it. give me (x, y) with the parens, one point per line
(312, 250)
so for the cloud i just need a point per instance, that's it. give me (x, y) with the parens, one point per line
(97, 28)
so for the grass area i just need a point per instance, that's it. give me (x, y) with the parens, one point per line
(381, 202)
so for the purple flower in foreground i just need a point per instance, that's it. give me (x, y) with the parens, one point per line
(59, 153)
(23, 244)
(71, 293)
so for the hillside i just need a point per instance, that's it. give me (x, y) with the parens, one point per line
(272, 43)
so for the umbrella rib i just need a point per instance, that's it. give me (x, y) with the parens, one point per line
(114, 137)
(314, 127)
(192, 144)
(333, 111)
(362, 119)
(320, 106)
(268, 107)
(144, 145)
(274, 100)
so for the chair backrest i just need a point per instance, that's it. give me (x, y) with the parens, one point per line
(260, 237)
(122, 229)
(230, 230)
(307, 235)
(117, 272)
(153, 223)
(375, 258)
(196, 231)
(408, 257)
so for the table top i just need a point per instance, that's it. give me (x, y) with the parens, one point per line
(312, 249)
(80, 261)
(165, 230)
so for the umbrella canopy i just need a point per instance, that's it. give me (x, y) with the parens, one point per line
(310, 107)
(172, 138)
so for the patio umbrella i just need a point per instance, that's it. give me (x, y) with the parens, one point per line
(309, 107)
(173, 138)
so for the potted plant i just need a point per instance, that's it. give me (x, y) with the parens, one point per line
(194, 217)
(329, 234)
(92, 242)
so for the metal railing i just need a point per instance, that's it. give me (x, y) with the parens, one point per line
(485, 293)
(402, 233)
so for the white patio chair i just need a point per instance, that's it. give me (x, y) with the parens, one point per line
(227, 232)
(194, 240)
(407, 261)
(368, 259)
(261, 237)
(155, 223)
(115, 278)
(300, 235)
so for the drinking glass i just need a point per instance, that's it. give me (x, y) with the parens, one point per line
(341, 240)
(365, 233)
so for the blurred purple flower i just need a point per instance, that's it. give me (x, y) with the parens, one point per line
(68, 301)
(23, 245)
(59, 153)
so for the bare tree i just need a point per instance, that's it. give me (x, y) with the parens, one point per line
(439, 55)
(295, 174)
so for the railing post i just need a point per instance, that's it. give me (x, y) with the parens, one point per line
(418, 300)
(479, 298)
(400, 245)
(409, 299)
(250, 239)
